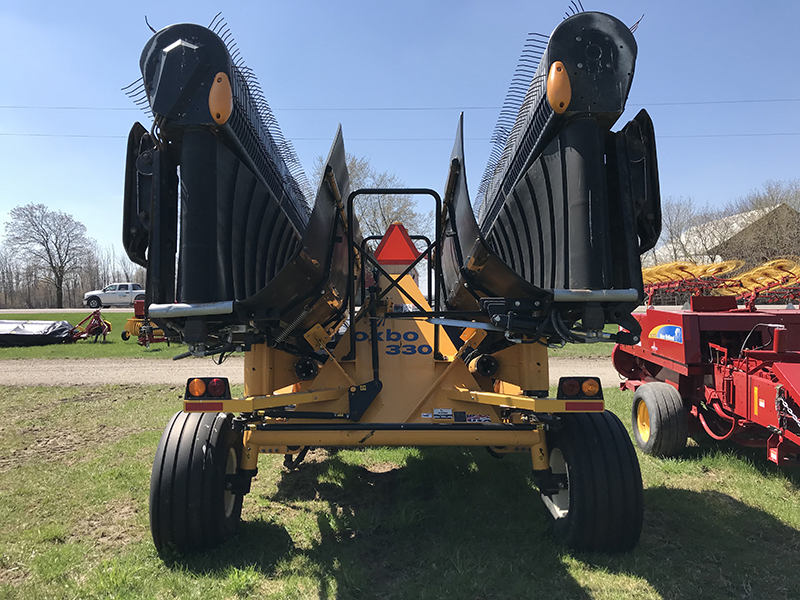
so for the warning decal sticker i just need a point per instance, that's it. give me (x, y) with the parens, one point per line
(442, 413)
(479, 419)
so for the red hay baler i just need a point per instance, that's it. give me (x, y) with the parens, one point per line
(733, 373)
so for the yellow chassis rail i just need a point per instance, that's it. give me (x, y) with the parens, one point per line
(286, 436)
(260, 403)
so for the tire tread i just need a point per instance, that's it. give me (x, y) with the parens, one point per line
(187, 485)
(669, 426)
(606, 499)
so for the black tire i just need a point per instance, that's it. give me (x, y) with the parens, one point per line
(125, 336)
(139, 297)
(601, 509)
(190, 508)
(659, 420)
(94, 302)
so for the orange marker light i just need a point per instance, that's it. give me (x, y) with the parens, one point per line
(197, 387)
(220, 98)
(590, 387)
(559, 90)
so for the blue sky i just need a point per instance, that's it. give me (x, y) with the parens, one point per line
(720, 80)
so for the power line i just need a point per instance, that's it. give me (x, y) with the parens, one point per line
(355, 139)
(688, 136)
(319, 109)
(431, 108)
(388, 108)
(409, 108)
(21, 107)
(708, 102)
(63, 135)
(729, 135)
(306, 109)
(448, 139)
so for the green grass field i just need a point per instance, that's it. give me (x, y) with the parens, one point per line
(380, 523)
(112, 347)
(602, 349)
(581, 350)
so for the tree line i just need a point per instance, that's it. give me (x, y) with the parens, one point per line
(375, 212)
(47, 260)
(757, 227)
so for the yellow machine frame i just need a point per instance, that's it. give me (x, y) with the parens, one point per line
(397, 382)
(422, 401)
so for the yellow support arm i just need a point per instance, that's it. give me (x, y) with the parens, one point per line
(541, 405)
(254, 403)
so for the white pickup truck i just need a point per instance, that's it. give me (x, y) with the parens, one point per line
(116, 294)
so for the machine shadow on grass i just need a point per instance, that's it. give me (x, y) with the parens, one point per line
(450, 522)
(455, 522)
(258, 543)
(708, 448)
(710, 545)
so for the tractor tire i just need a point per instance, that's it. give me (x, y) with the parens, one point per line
(190, 506)
(94, 303)
(125, 336)
(659, 420)
(601, 508)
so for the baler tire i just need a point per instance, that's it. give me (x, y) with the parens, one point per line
(667, 428)
(125, 336)
(604, 499)
(190, 508)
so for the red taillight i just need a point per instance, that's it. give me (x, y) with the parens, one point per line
(202, 388)
(216, 387)
(579, 388)
(570, 387)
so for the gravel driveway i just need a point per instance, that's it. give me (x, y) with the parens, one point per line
(95, 371)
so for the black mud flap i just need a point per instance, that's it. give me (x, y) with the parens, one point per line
(638, 177)
(136, 209)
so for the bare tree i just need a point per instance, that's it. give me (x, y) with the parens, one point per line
(677, 215)
(32, 291)
(769, 195)
(707, 231)
(757, 227)
(376, 212)
(773, 229)
(8, 283)
(773, 233)
(51, 241)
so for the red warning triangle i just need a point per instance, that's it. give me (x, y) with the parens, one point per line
(396, 247)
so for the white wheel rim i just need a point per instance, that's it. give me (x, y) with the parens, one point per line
(558, 504)
(231, 466)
